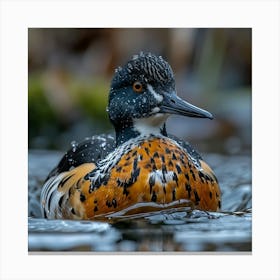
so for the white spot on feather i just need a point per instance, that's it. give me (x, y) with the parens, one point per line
(158, 176)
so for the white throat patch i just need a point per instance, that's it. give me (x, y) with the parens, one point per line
(150, 125)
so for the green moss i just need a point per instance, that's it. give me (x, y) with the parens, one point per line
(40, 112)
(91, 97)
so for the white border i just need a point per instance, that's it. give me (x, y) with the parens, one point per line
(17, 16)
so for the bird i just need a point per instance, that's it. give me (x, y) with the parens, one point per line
(142, 168)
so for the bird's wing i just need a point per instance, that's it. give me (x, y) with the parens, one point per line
(91, 150)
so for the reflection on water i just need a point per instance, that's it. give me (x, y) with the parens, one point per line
(163, 230)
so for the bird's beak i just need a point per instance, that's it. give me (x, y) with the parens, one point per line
(172, 104)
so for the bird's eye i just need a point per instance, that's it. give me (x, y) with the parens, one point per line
(137, 87)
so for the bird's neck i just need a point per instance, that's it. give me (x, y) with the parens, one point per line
(140, 127)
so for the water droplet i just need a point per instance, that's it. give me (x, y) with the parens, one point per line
(74, 145)
(134, 57)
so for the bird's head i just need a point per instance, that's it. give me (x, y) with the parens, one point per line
(143, 95)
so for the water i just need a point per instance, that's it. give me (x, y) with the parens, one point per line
(182, 230)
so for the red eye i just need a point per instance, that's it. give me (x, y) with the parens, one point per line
(137, 87)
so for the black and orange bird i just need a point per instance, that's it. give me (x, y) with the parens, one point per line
(142, 168)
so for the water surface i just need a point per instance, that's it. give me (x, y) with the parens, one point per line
(180, 230)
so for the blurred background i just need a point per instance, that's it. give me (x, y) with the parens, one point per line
(70, 71)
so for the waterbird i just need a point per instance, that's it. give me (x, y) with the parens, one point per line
(142, 168)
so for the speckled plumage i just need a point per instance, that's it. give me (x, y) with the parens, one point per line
(147, 168)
